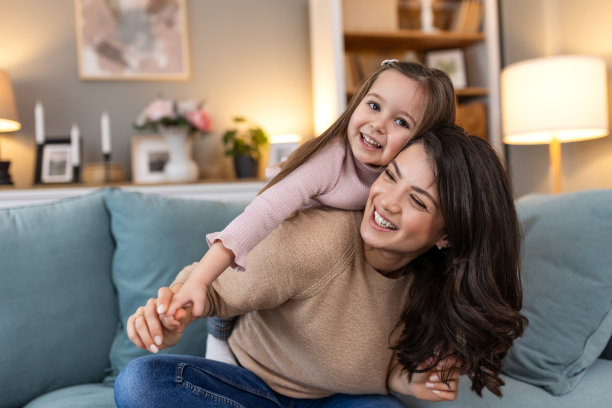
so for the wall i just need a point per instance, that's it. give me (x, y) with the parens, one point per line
(247, 57)
(534, 28)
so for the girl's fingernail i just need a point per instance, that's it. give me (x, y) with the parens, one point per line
(436, 391)
(161, 309)
(429, 385)
(434, 378)
(158, 340)
(153, 349)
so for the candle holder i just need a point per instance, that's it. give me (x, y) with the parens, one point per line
(107, 158)
(76, 174)
(37, 172)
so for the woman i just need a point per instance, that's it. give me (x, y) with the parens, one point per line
(326, 314)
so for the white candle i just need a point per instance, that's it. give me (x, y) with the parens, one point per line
(39, 121)
(75, 142)
(106, 138)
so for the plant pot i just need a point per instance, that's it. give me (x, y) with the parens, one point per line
(245, 166)
(179, 167)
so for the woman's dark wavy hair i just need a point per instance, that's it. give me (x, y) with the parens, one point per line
(466, 299)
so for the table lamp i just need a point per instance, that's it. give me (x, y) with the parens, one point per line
(553, 100)
(8, 120)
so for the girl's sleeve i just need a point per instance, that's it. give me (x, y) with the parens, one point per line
(313, 178)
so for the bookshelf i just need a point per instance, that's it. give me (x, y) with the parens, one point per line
(343, 50)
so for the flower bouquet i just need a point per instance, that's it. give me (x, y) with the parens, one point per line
(165, 113)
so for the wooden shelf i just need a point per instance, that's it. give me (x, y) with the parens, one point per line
(471, 91)
(409, 39)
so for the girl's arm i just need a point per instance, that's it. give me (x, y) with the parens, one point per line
(262, 216)
(216, 260)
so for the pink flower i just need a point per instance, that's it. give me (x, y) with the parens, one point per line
(160, 108)
(201, 119)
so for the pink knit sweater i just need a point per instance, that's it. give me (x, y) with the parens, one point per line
(332, 177)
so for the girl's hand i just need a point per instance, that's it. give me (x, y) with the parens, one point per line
(193, 294)
(147, 330)
(426, 386)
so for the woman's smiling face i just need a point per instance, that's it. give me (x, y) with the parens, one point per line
(402, 217)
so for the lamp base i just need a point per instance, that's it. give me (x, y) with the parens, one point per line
(5, 177)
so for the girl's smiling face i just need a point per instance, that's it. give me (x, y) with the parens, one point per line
(384, 120)
(402, 218)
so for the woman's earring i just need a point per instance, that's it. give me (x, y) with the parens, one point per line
(439, 247)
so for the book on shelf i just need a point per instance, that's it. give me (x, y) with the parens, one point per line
(468, 17)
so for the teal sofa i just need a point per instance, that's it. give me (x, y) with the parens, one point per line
(74, 270)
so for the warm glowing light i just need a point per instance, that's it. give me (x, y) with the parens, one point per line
(561, 97)
(8, 113)
(7, 125)
(285, 138)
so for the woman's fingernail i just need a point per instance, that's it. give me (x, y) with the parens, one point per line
(436, 391)
(429, 385)
(161, 309)
(158, 340)
(153, 349)
(434, 378)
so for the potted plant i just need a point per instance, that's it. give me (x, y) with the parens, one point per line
(243, 143)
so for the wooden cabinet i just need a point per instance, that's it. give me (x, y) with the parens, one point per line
(335, 47)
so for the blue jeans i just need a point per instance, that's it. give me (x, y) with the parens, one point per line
(164, 380)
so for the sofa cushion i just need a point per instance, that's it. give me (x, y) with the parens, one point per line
(58, 309)
(79, 396)
(593, 391)
(156, 237)
(567, 279)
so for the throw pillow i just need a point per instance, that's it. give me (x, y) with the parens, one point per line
(156, 237)
(58, 306)
(567, 283)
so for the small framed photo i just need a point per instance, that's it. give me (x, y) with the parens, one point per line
(279, 152)
(53, 161)
(149, 157)
(451, 62)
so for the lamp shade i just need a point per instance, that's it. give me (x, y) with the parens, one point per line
(9, 122)
(560, 97)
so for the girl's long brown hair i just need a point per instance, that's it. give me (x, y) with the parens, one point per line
(466, 299)
(438, 107)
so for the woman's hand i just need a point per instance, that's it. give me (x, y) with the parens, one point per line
(426, 386)
(150, 331)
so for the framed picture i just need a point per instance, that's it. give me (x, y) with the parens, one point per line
(149, 156)
(451, 62)
(53, 161)
(279, 152)
(132, 40)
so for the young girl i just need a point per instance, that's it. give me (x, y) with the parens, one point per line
(393, 104)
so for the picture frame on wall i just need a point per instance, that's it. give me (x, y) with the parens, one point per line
(149, 156)
(54, 162)
(451, 62)
(132, 40)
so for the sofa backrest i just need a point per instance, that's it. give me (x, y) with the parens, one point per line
(567, 288)
(156, 237)
(58, 309)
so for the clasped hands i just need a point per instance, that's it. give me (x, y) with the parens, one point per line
(150, 328)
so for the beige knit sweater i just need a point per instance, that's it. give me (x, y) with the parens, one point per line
(316, 318)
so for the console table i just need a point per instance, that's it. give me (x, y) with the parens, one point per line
(223, 191)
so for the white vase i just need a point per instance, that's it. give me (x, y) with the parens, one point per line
(180, 166)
